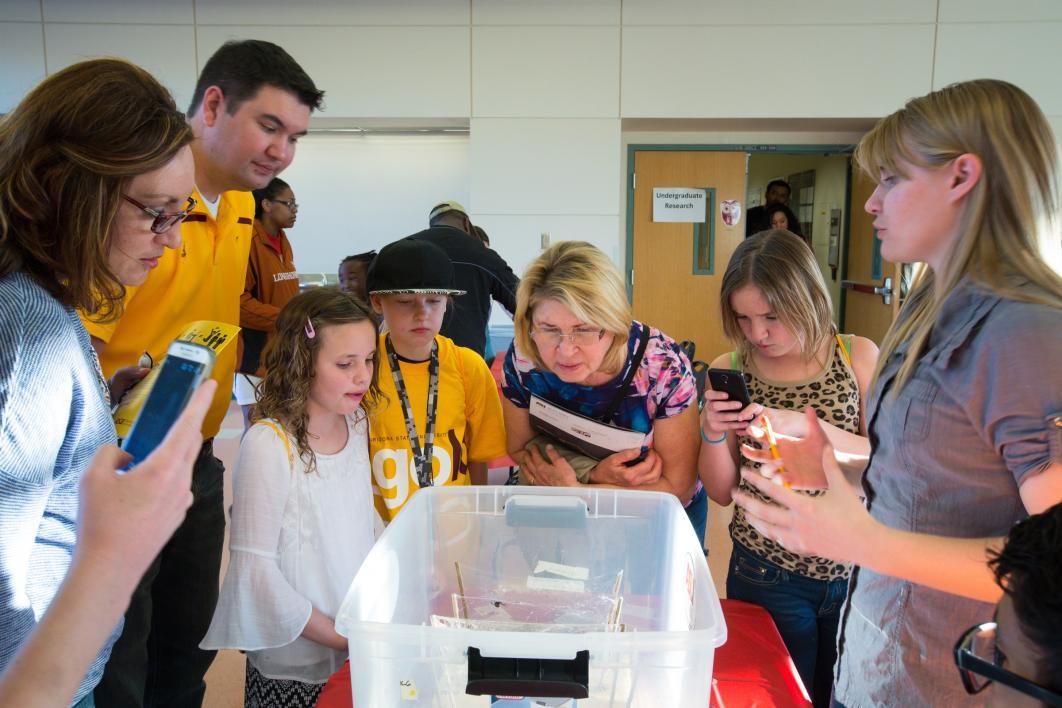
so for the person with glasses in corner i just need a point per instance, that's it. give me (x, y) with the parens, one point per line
(1020, 651)
(271, 282)
(578, 350)
(965, 408)
(95, 175)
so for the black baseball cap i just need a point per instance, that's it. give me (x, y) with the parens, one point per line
(411, 266)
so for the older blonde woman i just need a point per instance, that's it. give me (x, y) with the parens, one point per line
(578, 349)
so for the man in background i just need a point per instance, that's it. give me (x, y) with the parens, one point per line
(479, 271)
(757, 220)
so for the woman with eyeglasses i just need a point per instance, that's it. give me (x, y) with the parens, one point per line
(579, 352)
(95, 177)
(271, 282)
(965, 409)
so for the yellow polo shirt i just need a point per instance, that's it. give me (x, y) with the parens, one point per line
(469, 426)
(202, 279)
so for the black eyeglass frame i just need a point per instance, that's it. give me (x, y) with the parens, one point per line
(163, 222)
(561, 336)
(291, 204)
(969, 663)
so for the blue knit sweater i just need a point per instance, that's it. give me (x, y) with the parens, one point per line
(53, 418)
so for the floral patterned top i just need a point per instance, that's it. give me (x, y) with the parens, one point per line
(663, 385)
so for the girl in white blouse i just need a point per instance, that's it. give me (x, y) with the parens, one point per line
(302, 515)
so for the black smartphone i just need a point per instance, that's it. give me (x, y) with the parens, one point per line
(732, 382)
(639, 459)
(186, 366)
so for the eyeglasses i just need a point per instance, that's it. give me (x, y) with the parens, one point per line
(550, 337)
(290, 203)
(163, 222)
(979, 660)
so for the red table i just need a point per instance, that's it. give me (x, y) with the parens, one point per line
(752, 669)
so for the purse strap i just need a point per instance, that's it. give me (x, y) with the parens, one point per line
(621, 392)
(283, 438)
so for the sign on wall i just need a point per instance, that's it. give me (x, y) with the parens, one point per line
(679, 204)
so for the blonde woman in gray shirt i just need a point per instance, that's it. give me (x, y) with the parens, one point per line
(965, 411)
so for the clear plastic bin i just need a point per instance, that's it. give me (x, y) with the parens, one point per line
(599, 595)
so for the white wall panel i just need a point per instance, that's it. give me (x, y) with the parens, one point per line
(775, 12)
(546, 12)
(709, 72)
(1026, 54)
(20, 11)
(996, 11)
(372, 72)
(21, 61)
(175, 67)
(330, 13)
(1056, 125)
(518, 237)
(545, 71)
(121, 11)
(358, 193)
(545, 166)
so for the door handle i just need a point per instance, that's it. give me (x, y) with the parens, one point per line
(884, 290)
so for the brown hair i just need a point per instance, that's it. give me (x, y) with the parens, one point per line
(581, 277)
(67, 153)
(784, 269)
(290, 360)
(1007, 218)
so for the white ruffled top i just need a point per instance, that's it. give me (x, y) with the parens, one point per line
(296, 541)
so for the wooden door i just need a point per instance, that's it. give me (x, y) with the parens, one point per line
(676, 287)
(865, 311)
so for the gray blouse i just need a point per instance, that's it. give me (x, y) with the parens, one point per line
(981, 414)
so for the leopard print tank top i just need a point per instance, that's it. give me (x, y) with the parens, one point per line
(834, 394)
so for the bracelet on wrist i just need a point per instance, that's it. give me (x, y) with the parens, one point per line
(708, 440)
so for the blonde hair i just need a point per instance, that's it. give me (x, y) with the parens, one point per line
(582, 278)
(290, 360)
(1007, 217)
(784, 270)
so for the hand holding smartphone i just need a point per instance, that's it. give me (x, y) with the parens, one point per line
(186, 366)
(727, 405)
(732, 383)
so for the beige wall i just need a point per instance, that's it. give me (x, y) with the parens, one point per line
(545, 86)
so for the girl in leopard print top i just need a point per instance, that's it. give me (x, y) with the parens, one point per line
(777, 313)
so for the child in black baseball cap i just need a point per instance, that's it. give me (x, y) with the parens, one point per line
(444, 414)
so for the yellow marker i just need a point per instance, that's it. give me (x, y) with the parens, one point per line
(774, 448)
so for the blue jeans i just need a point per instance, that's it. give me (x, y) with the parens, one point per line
(697, 510)
(806, 612)
(157, 660)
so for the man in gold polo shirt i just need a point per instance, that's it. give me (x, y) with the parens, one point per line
(251, 104)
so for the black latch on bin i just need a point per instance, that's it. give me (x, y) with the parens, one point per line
(542, 678)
